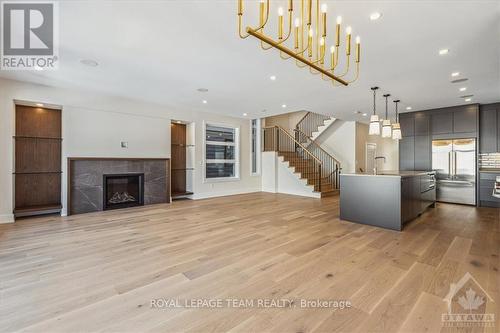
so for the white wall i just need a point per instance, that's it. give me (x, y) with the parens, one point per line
(95, 124)
(388, 148)
(339, 140)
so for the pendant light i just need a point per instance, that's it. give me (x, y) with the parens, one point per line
(396, 127)
(386, 123)
(374, 128)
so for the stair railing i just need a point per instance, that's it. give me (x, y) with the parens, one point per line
(331, 166)
(310, 123)
(275, 138)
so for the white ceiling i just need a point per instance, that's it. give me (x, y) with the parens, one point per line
(162, 51)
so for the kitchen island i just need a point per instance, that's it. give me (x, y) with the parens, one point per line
(387, 199)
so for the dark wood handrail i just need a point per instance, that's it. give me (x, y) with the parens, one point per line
(318, 146)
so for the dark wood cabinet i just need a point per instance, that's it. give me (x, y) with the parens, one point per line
(407, 122)
(37, 161)
(465, 120)
(423, 158)
(407, 153)
(442, 123)
(422, 123)
(489, 123)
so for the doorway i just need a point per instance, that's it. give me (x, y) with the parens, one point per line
(371, 153)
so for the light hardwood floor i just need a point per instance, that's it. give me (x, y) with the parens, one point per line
(100, 271)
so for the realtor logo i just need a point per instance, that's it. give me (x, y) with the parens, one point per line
(29, 39)
(467, 305)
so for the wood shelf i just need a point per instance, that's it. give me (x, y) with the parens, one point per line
(36, 172)
(36, 208)
(36, 137)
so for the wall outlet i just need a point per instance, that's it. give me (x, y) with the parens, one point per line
(124, 144)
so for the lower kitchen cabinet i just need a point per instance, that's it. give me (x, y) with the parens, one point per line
(486, 186)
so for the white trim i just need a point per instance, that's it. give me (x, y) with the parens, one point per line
(259, 148)
(236, 161)
(6, 218)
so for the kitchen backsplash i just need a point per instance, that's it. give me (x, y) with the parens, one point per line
(489, 161)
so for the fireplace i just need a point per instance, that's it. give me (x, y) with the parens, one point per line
(123, 190)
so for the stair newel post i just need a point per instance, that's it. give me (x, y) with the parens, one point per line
(277, 148)
(319, 176)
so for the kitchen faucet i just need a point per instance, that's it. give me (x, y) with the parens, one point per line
(377, 158)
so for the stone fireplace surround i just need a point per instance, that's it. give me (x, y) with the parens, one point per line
(85, 180)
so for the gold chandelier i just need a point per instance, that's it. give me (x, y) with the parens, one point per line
(310, 35)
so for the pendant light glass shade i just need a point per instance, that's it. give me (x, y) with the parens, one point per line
(396, 127)
(396, 131)
(374, 126)
(386, 128)
(386, 123)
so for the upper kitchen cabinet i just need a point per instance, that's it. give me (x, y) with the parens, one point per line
(442, 123)
(407, 122)
(456, 120)
(465, 120)
(422, 123)
(489, 128)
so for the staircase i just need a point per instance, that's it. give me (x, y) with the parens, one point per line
(307, 159)
(313, 124)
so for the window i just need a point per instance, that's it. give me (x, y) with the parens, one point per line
(255, 149)
(221, 152)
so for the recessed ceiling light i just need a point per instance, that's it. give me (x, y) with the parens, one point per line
(245, 114)
(468, 99)
(365, 114)
(89, 62)
(455, 74)
(408, 108)
(443, 51)
(179, 122)
(272, 77)
(283, 106)
(39, 104)
(202, 89)
(204, 101)
(463, 89)
(375, 16)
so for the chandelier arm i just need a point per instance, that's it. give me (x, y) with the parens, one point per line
(283, 40)
(261, 27)
(239, 28)
(268, 40)
(347, 67)
(357, 74)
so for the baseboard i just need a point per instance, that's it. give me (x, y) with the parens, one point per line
(198, 196)
(7, 218)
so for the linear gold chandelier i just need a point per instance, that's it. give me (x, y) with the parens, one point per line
(310, 36)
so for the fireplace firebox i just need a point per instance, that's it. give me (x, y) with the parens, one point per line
(123, 190)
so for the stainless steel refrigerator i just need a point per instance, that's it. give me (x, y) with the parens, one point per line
(455, 164)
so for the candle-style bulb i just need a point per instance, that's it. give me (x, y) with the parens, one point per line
(358, 40)
(324, 8)
(322, 41)
(297, 22)
(339, 19)
(280, 11)
(311, 32)
(348, 30)
(332, 49)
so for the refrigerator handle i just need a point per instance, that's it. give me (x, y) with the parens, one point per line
(449, 164)
(455, 164)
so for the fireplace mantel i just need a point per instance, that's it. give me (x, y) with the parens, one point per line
(85, 180)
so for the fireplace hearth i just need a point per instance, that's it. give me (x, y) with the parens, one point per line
(123, 190)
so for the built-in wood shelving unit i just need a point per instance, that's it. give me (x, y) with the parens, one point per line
(37, 160)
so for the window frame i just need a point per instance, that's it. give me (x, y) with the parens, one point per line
(235, 144)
